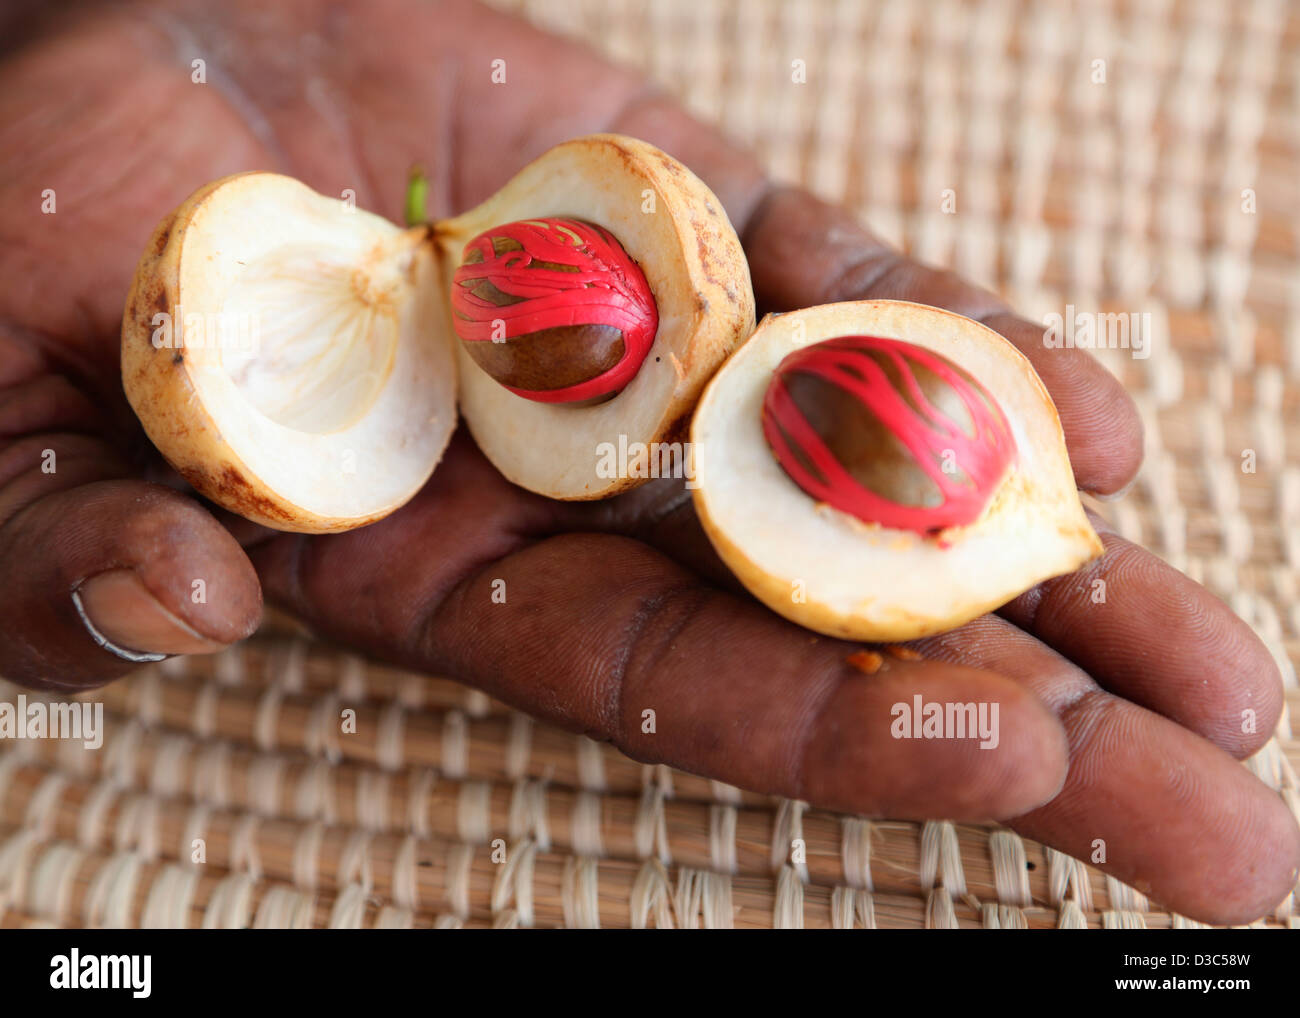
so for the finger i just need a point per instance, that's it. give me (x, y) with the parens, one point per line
(1147, 800)
(804, 252)
(736, 692)
(1147, 633)
(660, 513)
(97, 574)
(591, 632)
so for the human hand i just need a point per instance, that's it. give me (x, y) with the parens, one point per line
(1119, 721)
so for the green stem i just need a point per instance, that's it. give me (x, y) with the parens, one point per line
(417, 195)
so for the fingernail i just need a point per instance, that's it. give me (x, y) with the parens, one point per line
(1114, 496)
(124, 618)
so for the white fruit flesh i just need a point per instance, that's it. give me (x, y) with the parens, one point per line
(828, 571)
(677, 231)
(329, 337)
(320, 389)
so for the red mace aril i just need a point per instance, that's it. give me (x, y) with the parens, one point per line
(554, 309)
(887, 431)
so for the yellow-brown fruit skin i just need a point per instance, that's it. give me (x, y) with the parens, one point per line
(159, 390)
(882, 620)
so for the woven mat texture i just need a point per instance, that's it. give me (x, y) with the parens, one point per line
(1130, 195)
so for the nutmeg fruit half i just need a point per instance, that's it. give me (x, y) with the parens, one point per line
(299, 361)
(882, 471)
(286, 353)
(614, 286)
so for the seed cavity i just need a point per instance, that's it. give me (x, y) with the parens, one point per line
(323, 338)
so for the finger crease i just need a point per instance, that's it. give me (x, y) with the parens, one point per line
(804, 737)
(644, 640)
(881, 262)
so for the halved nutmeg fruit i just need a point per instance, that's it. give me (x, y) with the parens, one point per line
(882, 470)
(594, 296)
(296, 359)
(286, 353)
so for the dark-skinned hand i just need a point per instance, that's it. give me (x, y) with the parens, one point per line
(1120, 722)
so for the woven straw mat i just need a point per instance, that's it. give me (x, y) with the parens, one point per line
(1129, 194)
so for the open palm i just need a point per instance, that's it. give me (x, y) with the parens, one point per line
(1119, 720)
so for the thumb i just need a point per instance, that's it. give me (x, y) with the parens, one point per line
(98, 577)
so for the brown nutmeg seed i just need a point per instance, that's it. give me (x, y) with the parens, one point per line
(548, 359)
(864, 445)
(887, 431)
(554, 309)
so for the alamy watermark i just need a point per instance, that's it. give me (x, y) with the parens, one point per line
(951, 720)
(1099, 330)
(646, 460)
(222, 330)
(44, 719)
(77, 971)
